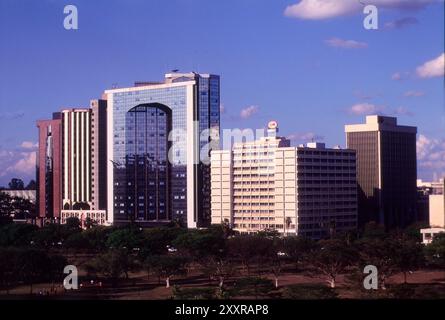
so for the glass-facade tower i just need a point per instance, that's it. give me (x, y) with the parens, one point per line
(159, 139)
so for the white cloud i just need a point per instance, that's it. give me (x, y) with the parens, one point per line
(365, 109)
(305, 137)
(432, 68)
(402, 111)
(347, 44)
(401, 23)
(321, 9)
(25, 165)
(364, 96)
(431, 155)
(325, 9)
(29, 145)
(397, 76)
(414, 94)
(19, 162)
(11, 115)
(249, 112)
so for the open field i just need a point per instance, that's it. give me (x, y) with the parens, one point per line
(422, 284)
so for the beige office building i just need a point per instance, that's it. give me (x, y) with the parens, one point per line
(436, 213)
(268, 185)
(82, 170)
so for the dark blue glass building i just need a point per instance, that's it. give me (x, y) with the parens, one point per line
(159, 139)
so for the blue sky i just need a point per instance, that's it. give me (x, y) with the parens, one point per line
(311, 73)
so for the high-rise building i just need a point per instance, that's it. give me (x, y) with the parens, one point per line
(159, 138)
(76, 155)
(266, 184)
(49, 169)
(72, 164)
(386, 170)
(83, 173)
(99, 154)
(436, 212)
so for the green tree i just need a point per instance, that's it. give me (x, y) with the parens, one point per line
(8, 267)
(97, 237)
(90, 223)
(6, 208)
(332, 258)
(167, 266)
(32, 266)
(251, 250)
(72, 225)
(16, 184)
(16, 234)
(113, 264)
(435, 251)
(297, 249)
(412, 232)
(23, 208)
(156, 240)
(77, 241)
(409, 256)
(275, 258)
(242, 248)
(32, 185)
(209, 249)
(219, 267)
(55, 269)
(374, 230)
(200, 244)
(380, 253)
(126, 238)
(51, 235)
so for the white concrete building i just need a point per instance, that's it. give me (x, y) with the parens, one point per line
(266, 184)
(79, 167)
(437, 216)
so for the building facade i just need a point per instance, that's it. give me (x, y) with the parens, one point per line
(386, 170)
(424, 190)
(436, 212)
(76, 155)
(99, 154)
(266, 184)
(83, 154)
(159, 139)
(71, 171)
(49, 170)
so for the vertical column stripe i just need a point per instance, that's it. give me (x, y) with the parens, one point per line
(66, 155)
(77, 157)
(71, 116)
(87, 157)
(81, 155)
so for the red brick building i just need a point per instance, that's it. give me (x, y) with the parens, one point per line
(49, 169)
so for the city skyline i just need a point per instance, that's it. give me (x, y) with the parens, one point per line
(381, 70)
(245, 151)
